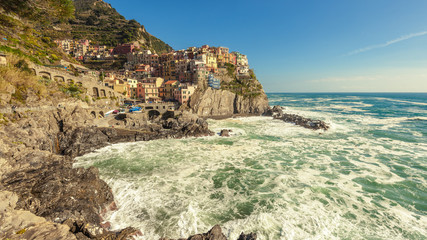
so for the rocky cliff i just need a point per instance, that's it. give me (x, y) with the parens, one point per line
(239, 95)
(224, 103)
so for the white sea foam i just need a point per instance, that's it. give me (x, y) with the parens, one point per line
(270, 177)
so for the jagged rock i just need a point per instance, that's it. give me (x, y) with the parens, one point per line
(19, 224)
(214, 234)
(277, 113)
(304, 122)
(250, 236)
(57, 192)
(225, 132)
(85, 230)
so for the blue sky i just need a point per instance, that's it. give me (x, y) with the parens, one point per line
(302, 45)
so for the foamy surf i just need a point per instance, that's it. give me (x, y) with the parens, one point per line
(364, 178)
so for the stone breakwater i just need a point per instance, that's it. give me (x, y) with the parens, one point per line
(277, 113)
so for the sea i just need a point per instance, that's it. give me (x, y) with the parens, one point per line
(364, 178)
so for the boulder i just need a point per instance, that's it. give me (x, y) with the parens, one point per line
(250, 236)
(225, 132)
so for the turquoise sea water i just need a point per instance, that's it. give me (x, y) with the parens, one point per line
(365, 178)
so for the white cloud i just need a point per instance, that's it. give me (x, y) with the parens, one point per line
(388, 43)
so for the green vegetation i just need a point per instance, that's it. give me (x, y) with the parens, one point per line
(19, 53)
(3, 119)
(159, 46)
(19, 77)
(22, 231)
(231, 69)
(252, 74)
(43, 11)
(105, 26)
(72, 90)
(248, 88)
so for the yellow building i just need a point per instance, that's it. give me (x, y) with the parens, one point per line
(211, 61)
(122, 87)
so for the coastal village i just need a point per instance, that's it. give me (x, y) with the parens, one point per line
(148, 77)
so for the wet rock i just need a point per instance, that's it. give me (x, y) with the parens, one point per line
(85, 230)
(304, 122)
(277, 113)
(250, 236)
(214, 234)
(225, 132)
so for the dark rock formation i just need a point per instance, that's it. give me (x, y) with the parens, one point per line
(225, 132)
(250, 236)
(216, 234)
(277, 113)
(76, 141)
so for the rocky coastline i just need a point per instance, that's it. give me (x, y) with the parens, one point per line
(37, 177)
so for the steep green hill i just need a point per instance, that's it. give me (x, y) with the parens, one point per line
(28, 27)
(98, 21)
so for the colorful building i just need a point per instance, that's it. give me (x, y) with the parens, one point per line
(183, 93)
(214, 82)
(169, 88)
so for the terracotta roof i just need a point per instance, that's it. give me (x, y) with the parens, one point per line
(171, 82)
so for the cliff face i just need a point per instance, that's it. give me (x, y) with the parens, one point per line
(224, 103)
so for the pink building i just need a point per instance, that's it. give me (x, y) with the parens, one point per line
(183, 93)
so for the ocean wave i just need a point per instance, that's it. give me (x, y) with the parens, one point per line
(274, 178)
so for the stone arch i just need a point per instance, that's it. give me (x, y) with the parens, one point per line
(45, 75)
(153, 114)
(70, 81)
(34, 70)
(101, 114)
(93, 114)
(95, 92)
(80, 84)
(59, 78)
(103, 93)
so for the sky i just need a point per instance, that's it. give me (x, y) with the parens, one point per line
(303, 45)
